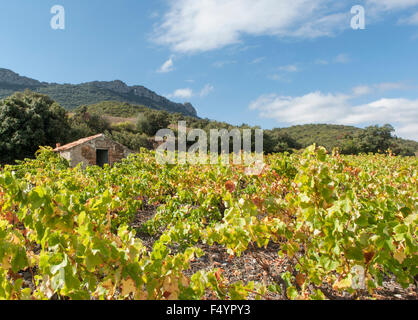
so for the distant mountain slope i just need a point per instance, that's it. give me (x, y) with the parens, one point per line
(71, 96)
(330, 135)
(116, 109)
(327, 135)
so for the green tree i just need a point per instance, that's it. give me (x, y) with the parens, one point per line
(134, 141)
(85, 124)
(350, 146)
(375, 139)
(277, 141)
(29, 120)
(149, 122)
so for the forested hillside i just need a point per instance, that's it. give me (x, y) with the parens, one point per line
(331, 135)
(327, 135)
(350, 140)
(29, 120)
(71, 96)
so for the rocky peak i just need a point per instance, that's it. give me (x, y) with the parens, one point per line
(12, 78)
(116, 85)
(189, 107)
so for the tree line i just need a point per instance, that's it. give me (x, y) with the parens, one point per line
(29, 120)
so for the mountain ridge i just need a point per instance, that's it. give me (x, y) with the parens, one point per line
(71, 96)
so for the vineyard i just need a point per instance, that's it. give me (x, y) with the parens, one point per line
(310, 225)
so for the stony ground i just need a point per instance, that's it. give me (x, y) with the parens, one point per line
(263, 265)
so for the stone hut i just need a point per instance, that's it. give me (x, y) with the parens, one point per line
(96, 150)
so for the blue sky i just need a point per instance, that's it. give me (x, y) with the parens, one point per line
(271, 63)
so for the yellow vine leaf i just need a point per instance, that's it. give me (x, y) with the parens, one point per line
(399, 256)
(171, 288)
(343, 284)
(142, 295)
(5, 263)
(33, 258)
(185, 281)
(108, 284)
(16, 239)
(128, 287)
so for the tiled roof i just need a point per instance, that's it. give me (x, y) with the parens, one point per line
(77, 143)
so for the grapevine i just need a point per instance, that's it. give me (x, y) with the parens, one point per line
(67, 233)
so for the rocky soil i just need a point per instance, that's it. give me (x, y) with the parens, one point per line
(264, 266)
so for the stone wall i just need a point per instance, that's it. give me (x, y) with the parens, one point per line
(86, 153)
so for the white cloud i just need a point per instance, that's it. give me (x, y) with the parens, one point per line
(321, 61)
(408, 131)
(278, 77)
(221, 64)
(391, 4)
(412, 20)
(185, 93)
(380, 87)
(317, 107)
(154, 15)
(196, 26)
(167, 66)
(377, 9)
(386, 86)
(342, 58)
(289, 68)
(362, 90)
(206, 90)
(403, 113)
(193, 26)
(325, 26)
(310, 108)
(258, 60)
